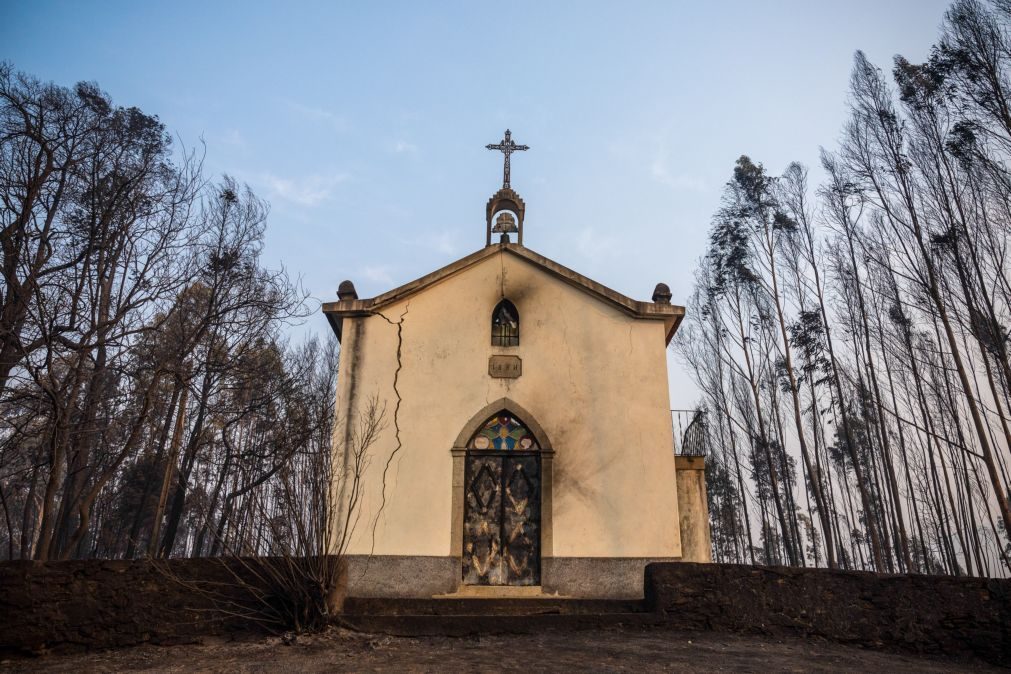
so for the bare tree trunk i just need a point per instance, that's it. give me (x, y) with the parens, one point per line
(764, 441)
(138, 518)
(170, 464)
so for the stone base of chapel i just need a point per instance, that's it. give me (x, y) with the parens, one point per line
(397, 576)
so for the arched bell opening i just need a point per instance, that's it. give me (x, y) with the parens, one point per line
(505, 202)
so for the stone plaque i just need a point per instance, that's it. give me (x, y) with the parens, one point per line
(505, 367)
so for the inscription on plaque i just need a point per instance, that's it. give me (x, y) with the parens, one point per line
(505, 367)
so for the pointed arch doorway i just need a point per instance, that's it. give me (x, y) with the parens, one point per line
(500, 498)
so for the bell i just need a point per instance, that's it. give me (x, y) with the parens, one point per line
(504, 223)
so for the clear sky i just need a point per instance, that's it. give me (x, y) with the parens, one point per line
(364, 124)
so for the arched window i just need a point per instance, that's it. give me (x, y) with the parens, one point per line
(504, 432)
(505, 325)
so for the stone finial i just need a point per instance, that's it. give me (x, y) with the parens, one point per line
(346, 291)
(661, 294)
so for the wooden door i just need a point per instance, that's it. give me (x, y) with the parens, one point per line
(502, 513)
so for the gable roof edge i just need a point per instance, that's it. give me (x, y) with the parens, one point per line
(671, 314)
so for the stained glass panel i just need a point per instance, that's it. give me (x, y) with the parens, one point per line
(504, 432)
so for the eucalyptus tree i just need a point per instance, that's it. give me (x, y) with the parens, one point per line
(877, 149)
(739, 295)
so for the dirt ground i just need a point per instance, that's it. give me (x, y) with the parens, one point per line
(599, 650)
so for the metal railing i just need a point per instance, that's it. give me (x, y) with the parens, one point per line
(690, 434)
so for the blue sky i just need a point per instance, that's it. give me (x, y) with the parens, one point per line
(364, 124)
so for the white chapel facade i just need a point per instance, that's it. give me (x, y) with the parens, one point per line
(527, 441)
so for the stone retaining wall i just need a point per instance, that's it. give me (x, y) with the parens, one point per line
(94, 604)
(927, 614)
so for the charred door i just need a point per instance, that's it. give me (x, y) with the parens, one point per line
(502, 506)
(501, 524)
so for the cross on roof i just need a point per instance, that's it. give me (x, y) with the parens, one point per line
(507, 147)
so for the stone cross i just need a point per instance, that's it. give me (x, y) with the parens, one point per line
(507, 147)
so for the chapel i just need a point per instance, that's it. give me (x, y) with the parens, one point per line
(508, 421)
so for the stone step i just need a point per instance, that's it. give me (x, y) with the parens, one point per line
(473, 606)
(469, 625)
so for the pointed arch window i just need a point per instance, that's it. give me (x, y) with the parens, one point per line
(505, 325)
(504, 431)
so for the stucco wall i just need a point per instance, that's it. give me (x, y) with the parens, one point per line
(594, 378)
(696, 544)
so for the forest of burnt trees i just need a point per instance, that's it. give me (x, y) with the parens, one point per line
(850, 338)
(150, 403)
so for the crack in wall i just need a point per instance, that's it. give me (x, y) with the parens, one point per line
(396, 414)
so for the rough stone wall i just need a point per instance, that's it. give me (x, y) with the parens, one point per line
(93, 604)
(930, 614)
